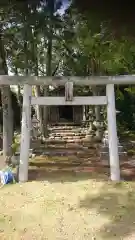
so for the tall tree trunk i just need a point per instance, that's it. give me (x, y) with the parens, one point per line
(6, 105)
(18, 89)
(95, 66)
(38, 108)
(35, 69)
(19, 96)
(49, 62)
(95, 71)
(97, 107)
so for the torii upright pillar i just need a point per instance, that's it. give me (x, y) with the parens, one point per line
(25, 134)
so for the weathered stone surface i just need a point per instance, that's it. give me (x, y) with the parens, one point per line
(70, 142)
(1, 153)
(1, 143)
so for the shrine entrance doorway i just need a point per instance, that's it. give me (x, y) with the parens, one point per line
(66, 113)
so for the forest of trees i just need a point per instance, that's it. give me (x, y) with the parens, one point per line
(55, 37)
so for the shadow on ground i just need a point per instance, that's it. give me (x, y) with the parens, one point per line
(118, 202)
(65, 175)
(75, 169)
(66, 169)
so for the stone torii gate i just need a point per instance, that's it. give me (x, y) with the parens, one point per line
(69, 99)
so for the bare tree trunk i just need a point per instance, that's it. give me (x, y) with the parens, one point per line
(39, 109)
(45, 115)
(49, 62)
(99, 132)
(19, 95)
(97, 107)
(19, 89)
(6, 105)
(36, 88)
(84, 113)
(7, 123)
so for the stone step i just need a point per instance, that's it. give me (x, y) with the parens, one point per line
(67, 134)
(57, 152)
(59, 141)
(55, 164)
(63, 166)
(64, 142)
(60, 147)
(64, 148)
(105, 156)
(66, 124)
(66, 138)
(107, 153)
(106, 149)
(63, 154)
(65, 130)
(66, 127)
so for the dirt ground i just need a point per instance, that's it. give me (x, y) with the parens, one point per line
(68, 208)
(66, 199)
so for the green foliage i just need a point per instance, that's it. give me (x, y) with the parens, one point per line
(130, 90)
(80, 45)
(16, 144)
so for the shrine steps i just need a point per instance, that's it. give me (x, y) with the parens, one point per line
(66, 128)
(62, 145)
(60, 152)
(66, 133)
(67, 140)
(66, 124)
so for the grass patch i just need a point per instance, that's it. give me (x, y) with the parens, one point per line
(131, 152)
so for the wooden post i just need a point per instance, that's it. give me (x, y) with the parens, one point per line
(7, 124)
(69, 91)
(112, 134)
(25, 134)
(45, 115)
(84, 113)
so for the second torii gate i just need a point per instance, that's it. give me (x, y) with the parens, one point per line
(69, 99)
